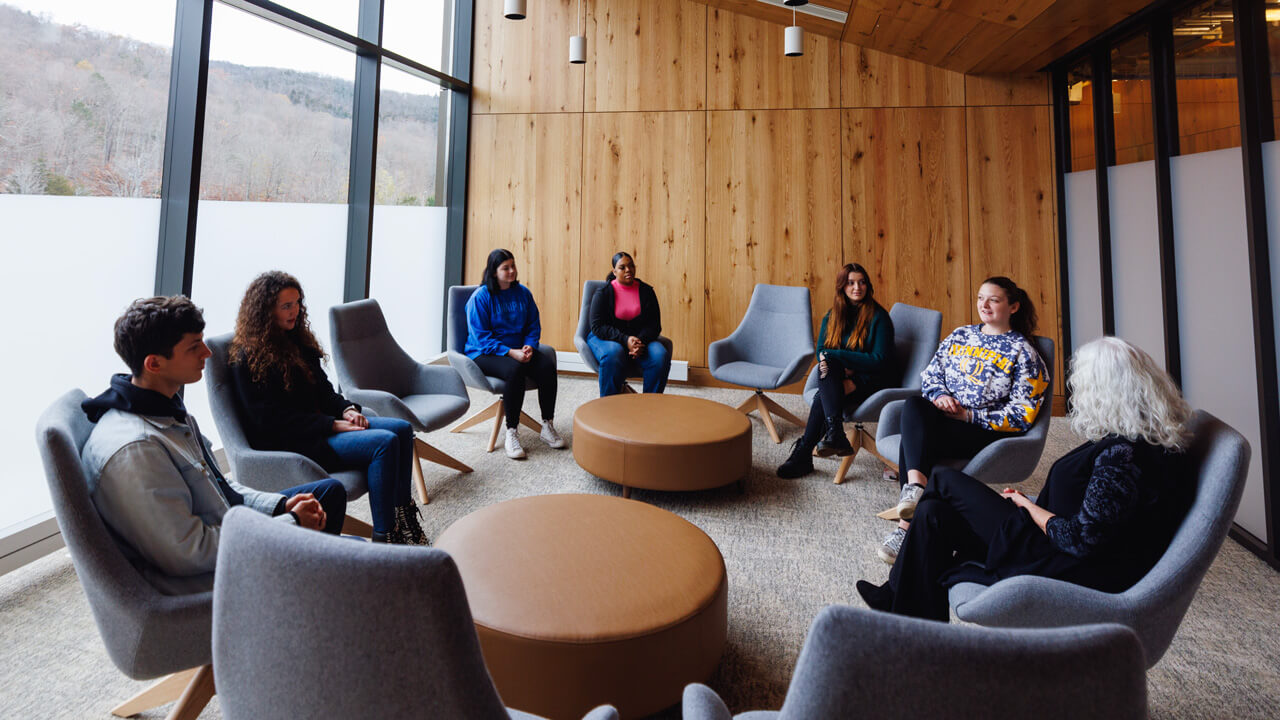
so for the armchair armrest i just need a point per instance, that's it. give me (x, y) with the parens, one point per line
(275, 470)
(870, 409)
(437, 380)
(792, 371)
(1032, 601)
(381, 402)
(471, 373)
(604, 712)
(1007, 460)
(722, 352)
(890, 422)
(702, 703)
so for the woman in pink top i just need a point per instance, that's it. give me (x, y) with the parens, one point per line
(625, 324)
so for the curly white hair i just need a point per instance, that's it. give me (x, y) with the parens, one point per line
(1117, 389)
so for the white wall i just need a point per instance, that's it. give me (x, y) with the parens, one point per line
(1135, 257)
(1084, 272)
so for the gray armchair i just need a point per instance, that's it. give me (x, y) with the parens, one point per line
(772, 347)
(863, 664)
(1155, 605)
(1004, 462)
(471, 373)
(589, 290)
(270, 470)
(915, 338)
(376, 372)
(147, 634)
(311, 626)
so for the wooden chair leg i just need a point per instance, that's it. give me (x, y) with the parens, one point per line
(747, 405)
(626, 492)
(767, 418)
(780, 411)
(356, 526)
(419, 482)
(428, 452)
(529, 422)
(626, 388)
(847, 461)
(498, 412)
(191, 688)
(867, 441)
(476, 418)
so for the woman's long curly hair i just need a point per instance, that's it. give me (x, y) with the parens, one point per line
(845, 313)
(265, 346)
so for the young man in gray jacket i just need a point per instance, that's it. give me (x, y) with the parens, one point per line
(151, 474)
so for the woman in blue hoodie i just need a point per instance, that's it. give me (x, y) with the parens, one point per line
(502, 338)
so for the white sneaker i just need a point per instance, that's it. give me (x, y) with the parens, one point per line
(514, 450)
(907, 501)
(892, 545)
(550, 436)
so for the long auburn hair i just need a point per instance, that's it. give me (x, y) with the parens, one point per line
(265, 346)
(845, 313)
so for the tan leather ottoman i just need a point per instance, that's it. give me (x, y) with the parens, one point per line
(662, 442)
(581, 600)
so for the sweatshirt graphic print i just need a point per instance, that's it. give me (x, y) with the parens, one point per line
(1000, 378)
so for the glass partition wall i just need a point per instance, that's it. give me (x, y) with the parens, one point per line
(160, 146)
(1178, 254)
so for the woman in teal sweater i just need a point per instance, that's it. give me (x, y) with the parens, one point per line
(855, 358)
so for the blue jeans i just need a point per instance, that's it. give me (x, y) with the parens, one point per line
(615, 365)
(333, 498)
(386, 451)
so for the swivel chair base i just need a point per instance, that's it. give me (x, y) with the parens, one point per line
(422, 450)
(764, 403)
(193, 689)
(498, 411)
(861, 439)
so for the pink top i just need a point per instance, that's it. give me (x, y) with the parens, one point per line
(626, 300)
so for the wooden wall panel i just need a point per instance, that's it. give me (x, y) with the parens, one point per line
(1021, 89)
(526, 195)
(747, 68)
(905, 206)
(522, 66)
(648, 198)
(869, 78)
(646, 55)
(1012, 209)
(773, 207)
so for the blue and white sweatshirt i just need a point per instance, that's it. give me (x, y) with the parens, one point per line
(1000, 378)
(497, 323)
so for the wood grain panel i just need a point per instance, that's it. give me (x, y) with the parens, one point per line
(525, 195)
(1016, 89)
(522, 66)
(646, 55)
(773, 207)
(869, 78)
(647, 198)
(1063, 26)
(1011, 207)
(905, 206)
(748, 70)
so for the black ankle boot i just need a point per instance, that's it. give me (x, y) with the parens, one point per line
(408, 530)
(378, 537)
(799, 463)
(834, 442)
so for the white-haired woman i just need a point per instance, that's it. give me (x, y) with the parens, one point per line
(1105, 516)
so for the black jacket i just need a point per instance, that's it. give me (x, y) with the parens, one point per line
(605, 325)
(299, 419)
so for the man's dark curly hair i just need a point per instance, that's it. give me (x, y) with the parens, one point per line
(265, 346)
(153, 326)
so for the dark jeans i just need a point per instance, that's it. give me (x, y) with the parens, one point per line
(831, 401)
(615, 363)
(955, 521)
(514, 373)
(332, 497)
(928, 434)
(385, 450)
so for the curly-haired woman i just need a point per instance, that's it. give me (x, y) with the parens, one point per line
(289, 404)
(1105, 516)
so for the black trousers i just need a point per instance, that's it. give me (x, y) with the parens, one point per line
(831, 401)
(514, 373)
(955, 521)
(928, 434)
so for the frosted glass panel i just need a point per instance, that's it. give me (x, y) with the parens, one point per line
(407, 275)
(1215, 318)
(1135, 257)
(1083, 271)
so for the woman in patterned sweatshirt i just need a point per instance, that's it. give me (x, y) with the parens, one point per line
(985, 382)
(1106, 515)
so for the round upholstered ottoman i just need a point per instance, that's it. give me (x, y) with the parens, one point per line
(581, 600)
(662, 442)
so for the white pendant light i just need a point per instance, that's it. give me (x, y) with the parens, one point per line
(514, 9)
(578, 43)
(793, 40)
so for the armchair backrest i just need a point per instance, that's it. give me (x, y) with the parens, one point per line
(860, 663)
(378, 608)
(222, 399)
(589, 290)
(778, 324)
(1040, 428)
(457, 320)
(916, 332)
(365, 354)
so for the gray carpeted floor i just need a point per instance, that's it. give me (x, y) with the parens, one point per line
(791, 547)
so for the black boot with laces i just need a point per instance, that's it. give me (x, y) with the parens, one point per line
(408, 530)
(799, 463)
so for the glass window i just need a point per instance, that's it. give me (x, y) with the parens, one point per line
(1131, 101)
(421, 30)
(407, 269)
(341, 15)
(1273, 43)
(1080, 120)
(274, 172)
(1205, 66)
(83, 94)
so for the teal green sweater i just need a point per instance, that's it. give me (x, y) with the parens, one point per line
(872, 365)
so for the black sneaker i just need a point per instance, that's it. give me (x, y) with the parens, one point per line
(799, 463)
(835, 442)
(408, 530)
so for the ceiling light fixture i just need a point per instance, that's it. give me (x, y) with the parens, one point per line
(514, 9)
(578, 43)
(793, 40)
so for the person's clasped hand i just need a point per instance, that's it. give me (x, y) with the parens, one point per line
(307, 508)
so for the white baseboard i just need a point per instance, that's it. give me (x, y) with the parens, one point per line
(29, 542)
(572, 362)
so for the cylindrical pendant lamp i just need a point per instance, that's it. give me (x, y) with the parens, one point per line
(578, 49)
(794, 41)
(514, 9)
(794, 3)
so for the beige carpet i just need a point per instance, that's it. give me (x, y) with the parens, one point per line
(791, 547)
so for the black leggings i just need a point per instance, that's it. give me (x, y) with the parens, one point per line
(831, 395)
(957, 515)
(928, 434)
(514, 373)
